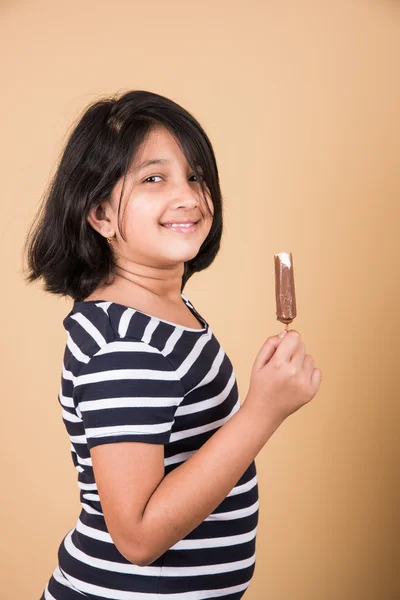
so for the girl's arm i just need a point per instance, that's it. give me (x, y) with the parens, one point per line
(147, 513)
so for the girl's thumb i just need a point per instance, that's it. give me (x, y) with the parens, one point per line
(268, 350)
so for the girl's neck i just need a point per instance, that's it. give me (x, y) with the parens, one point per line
(127, 288)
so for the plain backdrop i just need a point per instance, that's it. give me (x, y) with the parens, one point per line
(301, 101)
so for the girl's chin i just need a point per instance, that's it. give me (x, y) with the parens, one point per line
(183, 255)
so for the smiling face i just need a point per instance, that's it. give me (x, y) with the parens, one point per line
(155, 199)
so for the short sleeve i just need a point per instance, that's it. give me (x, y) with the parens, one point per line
(128, 391)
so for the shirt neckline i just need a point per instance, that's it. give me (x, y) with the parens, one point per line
(177, 325)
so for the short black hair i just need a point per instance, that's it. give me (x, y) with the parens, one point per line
(62, 247)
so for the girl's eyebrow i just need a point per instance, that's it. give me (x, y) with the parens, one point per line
(153, 161)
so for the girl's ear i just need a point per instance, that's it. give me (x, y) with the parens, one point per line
(99, 219)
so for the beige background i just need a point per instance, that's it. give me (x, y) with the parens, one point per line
(302, 104)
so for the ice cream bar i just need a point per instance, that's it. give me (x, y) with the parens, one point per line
(284, 288)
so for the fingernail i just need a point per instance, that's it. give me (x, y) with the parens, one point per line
(281, 335)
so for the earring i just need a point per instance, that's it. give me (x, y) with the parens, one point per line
(110, 240)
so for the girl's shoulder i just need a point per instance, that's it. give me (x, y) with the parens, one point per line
(98, 329)
(89, 328)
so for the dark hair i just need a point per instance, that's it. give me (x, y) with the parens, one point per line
(62, 247)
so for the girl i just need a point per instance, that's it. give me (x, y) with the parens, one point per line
(163, 449)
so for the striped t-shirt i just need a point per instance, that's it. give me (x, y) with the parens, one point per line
(129, 376)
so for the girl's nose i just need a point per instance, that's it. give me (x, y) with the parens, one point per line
(186, 194)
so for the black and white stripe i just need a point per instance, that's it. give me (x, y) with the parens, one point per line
(128, 376)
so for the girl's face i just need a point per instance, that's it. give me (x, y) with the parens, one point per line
(157, 194)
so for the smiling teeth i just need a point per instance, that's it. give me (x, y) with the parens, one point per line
(180, 224)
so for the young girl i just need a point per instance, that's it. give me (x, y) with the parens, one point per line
(163, 449)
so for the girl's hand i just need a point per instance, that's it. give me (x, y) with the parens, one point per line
(283, 377)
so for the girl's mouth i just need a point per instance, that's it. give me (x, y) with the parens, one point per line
(181, 227)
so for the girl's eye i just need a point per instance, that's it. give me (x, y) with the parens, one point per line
(154, 176)
(151, 177)
(200, 176)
